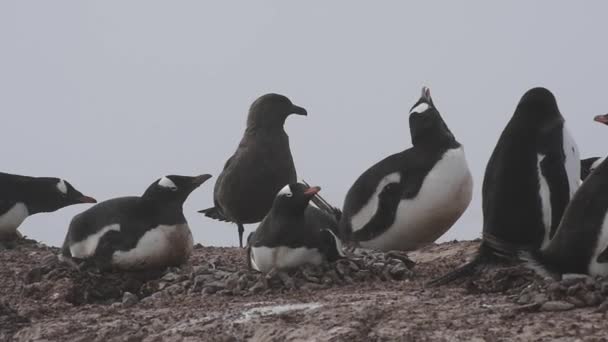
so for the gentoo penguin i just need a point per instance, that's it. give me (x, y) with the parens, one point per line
(588, 165)
(411, 198)
(532, 174)
(286, 238)
(23, 196)
(136, 232)
(260, 167)
(580, 244)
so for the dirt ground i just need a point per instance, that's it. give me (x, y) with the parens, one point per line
(374, 297)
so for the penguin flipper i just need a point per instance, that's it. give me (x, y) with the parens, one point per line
(331, 246)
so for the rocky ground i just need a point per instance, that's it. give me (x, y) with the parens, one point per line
(370, 297)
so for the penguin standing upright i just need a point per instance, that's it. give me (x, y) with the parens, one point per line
(135, 233)
(289, 238)
(411, 198)
(580, 244)
(532, 174)
(260, 167)
(23, 196)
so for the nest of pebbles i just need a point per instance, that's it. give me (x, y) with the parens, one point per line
(213, 277)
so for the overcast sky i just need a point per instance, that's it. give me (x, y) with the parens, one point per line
(111, 95)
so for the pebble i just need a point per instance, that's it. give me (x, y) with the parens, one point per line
(129, 299)
(557, 306)
(571, 279)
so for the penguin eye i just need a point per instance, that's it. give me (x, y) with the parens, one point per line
(289, 194)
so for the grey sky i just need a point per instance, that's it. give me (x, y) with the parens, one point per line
(111, 95)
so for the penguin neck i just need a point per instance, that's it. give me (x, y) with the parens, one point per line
(434, 138)
(163, 211)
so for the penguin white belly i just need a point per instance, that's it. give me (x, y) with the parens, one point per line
(86, 248)
(445, 194)
(545, 200)
(596, 268)
(164, 245)
(265, 259)
(12, 219)
(572, 162)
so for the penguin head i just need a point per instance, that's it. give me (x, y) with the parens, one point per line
(173, 188)
(50, 194)
(294, 198)
(602, 119)
(271, 110)
(426, 124)
(538, 108)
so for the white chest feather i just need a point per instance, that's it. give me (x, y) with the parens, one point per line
(595, 268)
(86, 248)
(444, 195)
(161, 246)
(264, 259)
(545, 200)
(572, 162)
(12, 219)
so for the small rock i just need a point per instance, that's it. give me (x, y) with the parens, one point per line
(243, 282)
(232, 281)
(201, 280)
(604, 288)
(213, 287)
(129, 299)
(557, 306)
(579, 303)
(592, 299)
(574, 289)
(540, 298)
(174, 289)
(571, 279)
(170, 277)
(288, 282)
(555, 288)
(399, 271)
(603, 307)
(524, 299)
(257, 287)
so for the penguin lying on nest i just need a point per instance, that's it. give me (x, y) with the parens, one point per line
(288, 237)
(136, 233)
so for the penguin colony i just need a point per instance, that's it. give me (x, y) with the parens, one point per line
(541, 203)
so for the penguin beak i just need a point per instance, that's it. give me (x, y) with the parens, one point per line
(602, 119)
(312, 191)
(298, 110)
(426, 95)
(199, 180)
(86, 199)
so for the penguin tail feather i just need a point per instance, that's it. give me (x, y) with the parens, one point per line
(214, 213)
(460, 272)
(536, 261)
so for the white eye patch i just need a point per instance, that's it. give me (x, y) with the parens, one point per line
(167, 183)
(286, 191)
(421, 108)
(61, 186)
